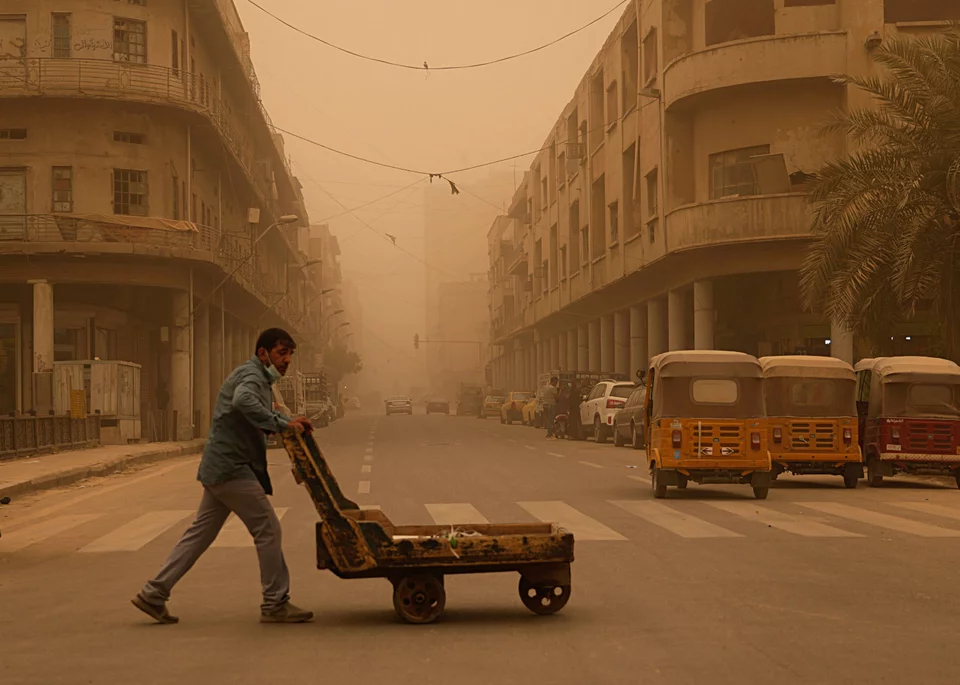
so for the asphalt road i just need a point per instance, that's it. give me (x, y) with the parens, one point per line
(815, 585)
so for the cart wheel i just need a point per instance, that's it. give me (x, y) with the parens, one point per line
(874, 479)
(760, 493)
(419, 598)
(543, 599)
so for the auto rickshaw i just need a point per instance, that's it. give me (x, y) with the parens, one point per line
(812, 417)
(909, 416)
(705, 421)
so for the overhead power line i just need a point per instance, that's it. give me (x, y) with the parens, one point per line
(443, 67)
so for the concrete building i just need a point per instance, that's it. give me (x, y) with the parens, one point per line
(459, 352)
(666, 210)
(141, 191)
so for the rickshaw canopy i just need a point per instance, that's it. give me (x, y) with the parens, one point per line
(707, 384)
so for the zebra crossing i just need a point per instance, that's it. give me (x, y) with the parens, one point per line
(616, 521)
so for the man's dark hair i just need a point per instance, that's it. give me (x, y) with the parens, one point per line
(554, 380)
(272, 337)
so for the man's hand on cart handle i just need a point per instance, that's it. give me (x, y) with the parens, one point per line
(302, 424)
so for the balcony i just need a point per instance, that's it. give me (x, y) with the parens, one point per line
(150, 84)
(739, 219)
(517, 266)
(753, 61)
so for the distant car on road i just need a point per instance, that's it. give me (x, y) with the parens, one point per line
(528, 415)
(512, 408)
(438, 406)
(491, 406)
(628, 422)
(399, 404)
(606, 398)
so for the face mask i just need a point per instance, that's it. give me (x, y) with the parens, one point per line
(273, 374)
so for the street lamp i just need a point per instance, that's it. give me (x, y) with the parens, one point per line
(300, 267)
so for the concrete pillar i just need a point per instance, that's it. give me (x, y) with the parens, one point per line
(201, 368)
(676, 321)
(538, 346)
(703, 315)
(556, 360)
(606, 343)
(228, 347)
(841, 342)
(42, 326)
(656, 327)
(571, 354)
(217, 344)
(595, 344)
(583, 347)
(180, 367)
(638, 340)
(621, 342)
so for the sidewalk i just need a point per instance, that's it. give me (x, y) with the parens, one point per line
(31, 474)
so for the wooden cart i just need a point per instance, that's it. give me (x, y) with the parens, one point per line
(355, 543)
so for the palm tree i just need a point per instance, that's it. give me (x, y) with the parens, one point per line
(887, 218)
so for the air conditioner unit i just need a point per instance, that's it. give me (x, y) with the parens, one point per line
(576, 151)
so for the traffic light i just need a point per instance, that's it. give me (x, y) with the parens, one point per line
(416, 341)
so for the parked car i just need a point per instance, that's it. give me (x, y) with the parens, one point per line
(512, 408)
(438, 406)
(600, 406)
(491, 406)
(399, 404)
(353, 403)
(528, 415)
(628, 422)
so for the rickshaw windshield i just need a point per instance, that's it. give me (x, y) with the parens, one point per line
(709, 398)
(921, 400)
(810, 397)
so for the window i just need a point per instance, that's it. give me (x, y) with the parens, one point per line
(142, 3)
(127, 137)
(545, 269)
(729, 20)
(13, 134)
(176, 197)
(553, 171)
(130, 192)
(60, 31)
(596, 111)
(732, 173)
(715, 391)
(563, 262)
(920, 10)
(129, 41)
(62, 189)
(630, 59)
(573, 236)
(651, 57)
(614, 222)
(543, 192)
(653, 206)
(585, 244)
(175, 52)
(598, 218)
(613, 111)
(631, 202)
(203, 212)
(807, 3)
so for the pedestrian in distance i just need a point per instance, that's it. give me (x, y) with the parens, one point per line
(548, 397)
(233, 473)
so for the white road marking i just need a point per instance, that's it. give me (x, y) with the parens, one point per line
(882, 520)
(454, 514)
(798, 525)
(37, 532)
(137, 533)
(510, 440)
(369, 450)
(930, 508)
(368, 457)
(590, 463)
(235, 534)
(369, 507)
(530, 447)
(363, 488)
(366, 468)
(640, 479)
(558, 456)
(582, 526)
(675, 521)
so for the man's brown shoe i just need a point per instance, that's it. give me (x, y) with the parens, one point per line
(158, 612)
(286, 613)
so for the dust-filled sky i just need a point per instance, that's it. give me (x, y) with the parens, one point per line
(432, 121)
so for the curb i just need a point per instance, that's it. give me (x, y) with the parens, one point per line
(104, 468)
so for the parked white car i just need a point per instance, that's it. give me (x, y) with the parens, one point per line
(602, 404)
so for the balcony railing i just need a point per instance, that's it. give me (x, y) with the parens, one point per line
(81, 78)
(28, 435)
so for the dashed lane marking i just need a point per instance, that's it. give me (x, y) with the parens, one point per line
(363, 488)
(590, 463)
(366, 468)
(135, 534)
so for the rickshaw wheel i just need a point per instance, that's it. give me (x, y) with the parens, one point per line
(761, 493)
(543, 599)
(874, 479)
(850, 480)
(659, 489)
(419, 598)
(958, 480)
(682, 482)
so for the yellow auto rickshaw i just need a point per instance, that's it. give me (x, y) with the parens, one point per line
(811, 405)
(705, 421)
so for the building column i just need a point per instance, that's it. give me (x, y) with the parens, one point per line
(201, 368)
(227, 352)
(180, 367)
(676, 321)
(42, 326)
(703, 315)
(571, 362)
(556, 355)
(538, 351)
(583, 347)
(621, 342)
(656, 327)
(595, 344)
(217, 347)
(607, 344)
(841, 342)
(638, 339)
